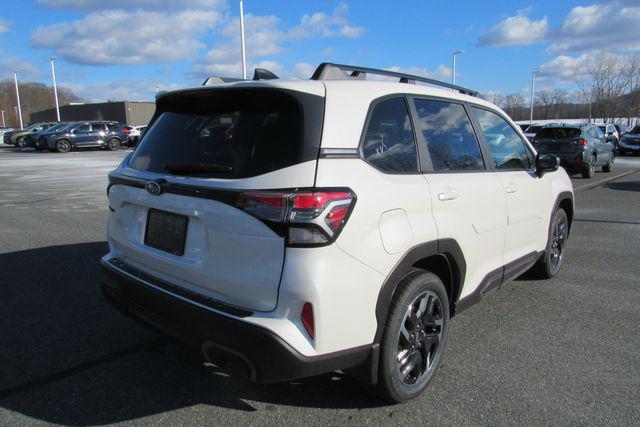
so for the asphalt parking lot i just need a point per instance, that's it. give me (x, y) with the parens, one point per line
(563, 351)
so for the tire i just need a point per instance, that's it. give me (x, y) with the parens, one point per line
(20, 142)
(113, 144)
(63, 146)
(609, 166)
(417, 337)
(590, 170)
(551, 262)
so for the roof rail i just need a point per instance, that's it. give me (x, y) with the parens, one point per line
(330, 71)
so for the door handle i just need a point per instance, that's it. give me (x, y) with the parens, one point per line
(447, 196)
(512, 189)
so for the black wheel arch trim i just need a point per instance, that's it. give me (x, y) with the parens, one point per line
(448, 248)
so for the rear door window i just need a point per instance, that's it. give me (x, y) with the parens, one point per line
(507, 148)
(448, 134)
(389, 144)
(231, 133)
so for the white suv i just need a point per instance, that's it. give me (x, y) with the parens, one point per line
(302, 227)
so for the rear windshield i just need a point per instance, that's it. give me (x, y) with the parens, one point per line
(559, 133)
(635, 130)
(230, 133)
(533, 129)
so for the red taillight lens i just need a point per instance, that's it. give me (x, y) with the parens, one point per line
(581, 141)
(306, 218)
(306, 316)
(125, 131)
(267, 206)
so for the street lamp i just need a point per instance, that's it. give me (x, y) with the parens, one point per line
(55, 87)
(4, 125)
(533, 90)
(453, 66)
(244, 56)
(19, 108)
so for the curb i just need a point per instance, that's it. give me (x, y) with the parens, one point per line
(606, 180)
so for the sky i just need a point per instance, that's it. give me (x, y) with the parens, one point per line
(124, 49)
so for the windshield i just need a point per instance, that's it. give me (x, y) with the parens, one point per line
(231, 133)
(58, 127)
(635, 130)
(559, 133)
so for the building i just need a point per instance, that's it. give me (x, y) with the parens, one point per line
(127, 112)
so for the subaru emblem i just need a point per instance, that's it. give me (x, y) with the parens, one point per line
(153, 188)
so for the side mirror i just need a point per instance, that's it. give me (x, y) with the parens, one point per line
(546, 162)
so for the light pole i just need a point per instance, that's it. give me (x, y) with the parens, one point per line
(244, 56)
(453, 65)
(15, 80)
(4, 125)
(55, 87)
(533, 90)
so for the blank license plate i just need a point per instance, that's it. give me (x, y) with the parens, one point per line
(166, 231)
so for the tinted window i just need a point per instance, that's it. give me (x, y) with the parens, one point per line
(99, 127)
(507, 149)
(388, 143)
(558, 133)
(449, 136)
(230, 133)
(83, 128)
(534, 129)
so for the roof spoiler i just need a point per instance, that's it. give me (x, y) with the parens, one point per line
(330, 71)
(258, 74)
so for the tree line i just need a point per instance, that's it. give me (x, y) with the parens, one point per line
(606, 88)
(33, 97)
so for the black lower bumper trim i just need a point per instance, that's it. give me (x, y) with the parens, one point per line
(266, 356)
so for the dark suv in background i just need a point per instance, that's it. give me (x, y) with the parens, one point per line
(17, 137)
(108, 135)
(630, 142)
(581, 148)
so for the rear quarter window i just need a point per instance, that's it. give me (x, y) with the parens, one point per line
(388, 143)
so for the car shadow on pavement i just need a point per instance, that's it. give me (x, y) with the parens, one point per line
(68, 357)
(624, 186)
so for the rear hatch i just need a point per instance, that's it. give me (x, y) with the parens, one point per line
(184, 207)
(559, 141)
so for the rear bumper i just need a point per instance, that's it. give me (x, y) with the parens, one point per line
(264, 356)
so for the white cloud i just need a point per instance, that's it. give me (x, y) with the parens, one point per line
(4, 26)
(564, 68)
(603, 26)
(162, 5)
(26, 70)
(611, 26)
(303, 70)
(516, 30)
(158, 37)
(120, 90)
(266, 36)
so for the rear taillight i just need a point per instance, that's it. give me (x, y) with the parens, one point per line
(581, 141)
(125, 131)
(305, 218)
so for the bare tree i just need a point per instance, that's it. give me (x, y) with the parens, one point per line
(545, 99)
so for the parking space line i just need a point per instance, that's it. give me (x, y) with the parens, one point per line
(606, 180)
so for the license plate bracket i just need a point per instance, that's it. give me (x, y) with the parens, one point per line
(166, 231)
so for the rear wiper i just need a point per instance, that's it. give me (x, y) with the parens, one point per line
(197, 168)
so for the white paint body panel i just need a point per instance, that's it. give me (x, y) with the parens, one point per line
(236, 259)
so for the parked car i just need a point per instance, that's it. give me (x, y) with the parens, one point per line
(532, 131)
(29, 140)
(622, 129)
(258, 221)
(108, 135)
(611, 133)
(134, 134)
(630, 142)
(16, 137)
(581, 149)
